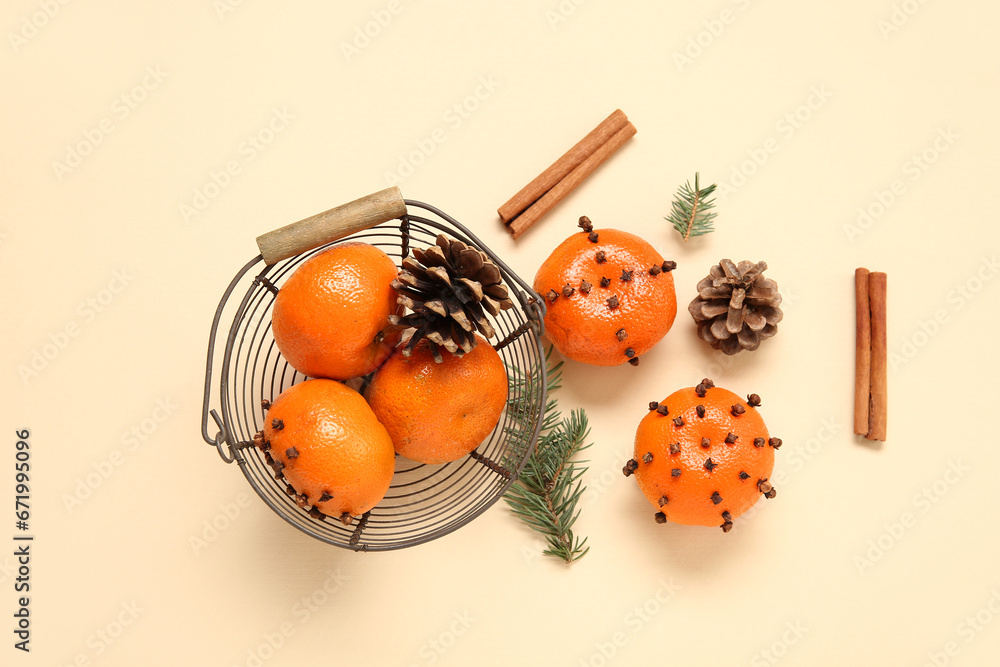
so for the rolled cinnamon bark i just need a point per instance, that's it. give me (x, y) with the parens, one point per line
(878, 410)
(559, 169)
(560, 190)
(862, 352)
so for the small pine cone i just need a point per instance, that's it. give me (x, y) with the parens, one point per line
(447, 290)
(736, 307)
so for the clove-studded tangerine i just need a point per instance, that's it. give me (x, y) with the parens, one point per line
(609, 296)
(712, 458)
(324, 441)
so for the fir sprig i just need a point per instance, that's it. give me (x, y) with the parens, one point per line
(549, 488)
(692, 214)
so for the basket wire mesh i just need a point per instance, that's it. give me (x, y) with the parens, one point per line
(424, 502)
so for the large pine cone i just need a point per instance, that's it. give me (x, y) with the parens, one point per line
(736, 307)
(447, 290)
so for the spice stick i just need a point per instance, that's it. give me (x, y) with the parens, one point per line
(862, 352)
(878, 409)
(560, 190)
(534, 190)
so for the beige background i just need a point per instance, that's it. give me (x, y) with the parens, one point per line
(869, 556)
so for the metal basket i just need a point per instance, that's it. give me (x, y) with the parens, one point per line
(424, 502)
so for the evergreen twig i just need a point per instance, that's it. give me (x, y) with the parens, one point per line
(546, 494)
(692, 214)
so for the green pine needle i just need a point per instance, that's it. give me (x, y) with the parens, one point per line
(692, 213)
(546, 494)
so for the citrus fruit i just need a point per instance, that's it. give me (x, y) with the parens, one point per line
(439, 412)
(609, 296)
(703, 456)
(325, 441)
(331, 317)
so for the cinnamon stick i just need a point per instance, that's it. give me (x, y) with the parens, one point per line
(862, 352)
(560, 190)
(878, 408)
(544, 182)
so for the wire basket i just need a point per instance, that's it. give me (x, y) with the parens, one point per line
(424, 502)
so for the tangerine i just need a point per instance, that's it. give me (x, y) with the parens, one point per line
(610, 296)
(331, 317)
(439, 412)
(703, 456)
(328, 445)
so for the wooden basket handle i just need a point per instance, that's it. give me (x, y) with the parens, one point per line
(331, 225)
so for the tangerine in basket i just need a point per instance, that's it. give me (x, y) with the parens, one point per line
(331, 317)
(703, 456)
(609, 296)
(439, 412)
(322, 438)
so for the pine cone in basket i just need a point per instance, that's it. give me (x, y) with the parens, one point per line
(736, 307)
(447, 290)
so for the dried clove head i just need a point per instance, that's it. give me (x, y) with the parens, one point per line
(605, 281)
(551, 295)
(601, 257)
(634, 361)
(585, 287)
(675, 472)
(592, 236)
(567, 290)
(710, 465)
(727, 526)
(706, 443)
(655, 271)
(675, 448)
(302, 501)
(621, 334)
(726, 515)
(653, 405)
(678, 421)
(731, 438)
(662, 409)
(708, 383)
(668, 266)
(701, 411)
(744, 475)
(585, 224)
(613, 302)
(716, 498)
(647, 457)
(753, 400)
(630, 467)
(663, 501)
(629, 352)
(758, 442)
(763, 485)
(277, 424)
(775, 442)
(660, 517)
(346, 519)
(325, 497)
(701, 390)
(771, 494)
(738, 409)
(265, 404)
(292, 453)
(627, 275)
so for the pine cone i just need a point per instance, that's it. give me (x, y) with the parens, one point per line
(736, 307)
(447, 290)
